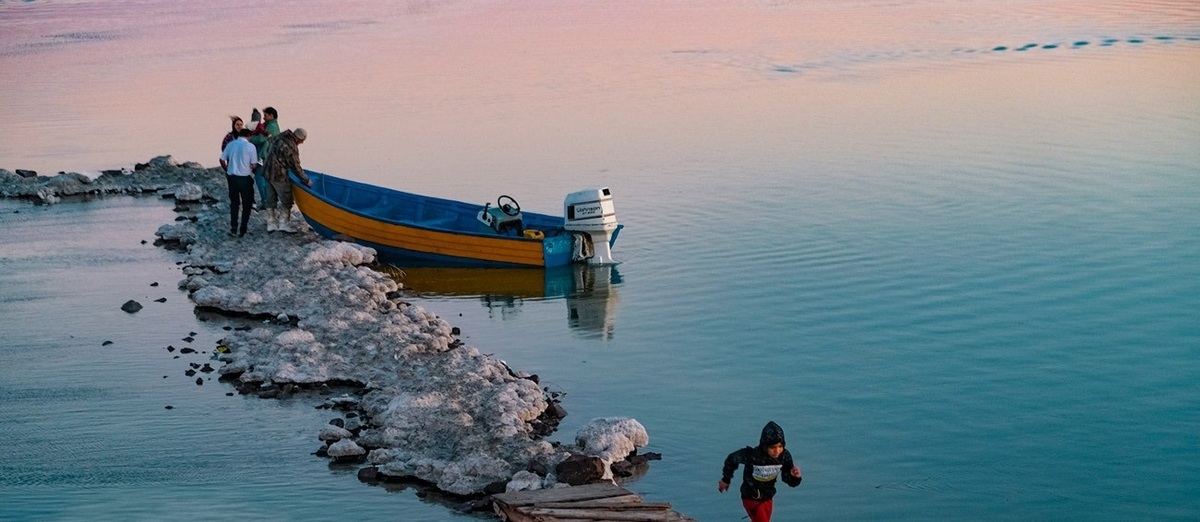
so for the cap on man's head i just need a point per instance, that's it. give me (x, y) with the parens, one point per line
(300, 134)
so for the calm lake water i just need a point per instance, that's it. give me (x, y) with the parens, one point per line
(951, 247)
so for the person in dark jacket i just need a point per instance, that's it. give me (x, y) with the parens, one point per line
(763, 464)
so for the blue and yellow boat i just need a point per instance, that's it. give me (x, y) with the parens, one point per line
(407, 229)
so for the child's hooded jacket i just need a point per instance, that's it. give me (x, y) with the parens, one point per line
(761, 471)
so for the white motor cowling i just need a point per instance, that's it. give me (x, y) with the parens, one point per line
(590, 213)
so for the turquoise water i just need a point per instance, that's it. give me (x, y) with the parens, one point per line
(950, 247)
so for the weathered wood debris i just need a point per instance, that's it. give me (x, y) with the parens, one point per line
(590, 502)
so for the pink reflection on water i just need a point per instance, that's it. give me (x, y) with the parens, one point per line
(436, 96)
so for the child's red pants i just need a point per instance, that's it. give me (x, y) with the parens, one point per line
(759, 510)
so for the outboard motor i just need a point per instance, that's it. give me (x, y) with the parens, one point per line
(591, 217)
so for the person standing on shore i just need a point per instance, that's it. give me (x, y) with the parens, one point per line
(263, 132)
(239, 160)
(765, 463)
(283, 157)
(237, 125)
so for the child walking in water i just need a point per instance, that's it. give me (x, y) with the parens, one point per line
(763, 465)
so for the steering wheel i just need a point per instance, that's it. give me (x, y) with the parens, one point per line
(511, 210)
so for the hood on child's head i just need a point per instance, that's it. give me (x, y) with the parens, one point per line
(771, 434)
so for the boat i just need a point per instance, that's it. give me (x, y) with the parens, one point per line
(407, 229)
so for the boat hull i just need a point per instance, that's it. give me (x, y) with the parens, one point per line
(402, 227)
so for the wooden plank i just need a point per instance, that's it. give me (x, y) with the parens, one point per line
(605, 504)
(603, 514)
(615, 501)
(511, 514)
(568, 494)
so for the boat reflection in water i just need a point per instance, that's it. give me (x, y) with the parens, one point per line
(590, 291)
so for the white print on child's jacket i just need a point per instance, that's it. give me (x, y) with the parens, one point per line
(766, 473)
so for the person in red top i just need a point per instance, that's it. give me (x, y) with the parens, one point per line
(237, 125)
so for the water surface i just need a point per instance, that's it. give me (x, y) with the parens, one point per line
(949, 246)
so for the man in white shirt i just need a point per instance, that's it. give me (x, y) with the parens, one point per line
(239, 159)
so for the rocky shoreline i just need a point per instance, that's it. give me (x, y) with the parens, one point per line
(414, 403)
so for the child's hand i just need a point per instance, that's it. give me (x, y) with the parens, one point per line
(795, 471)
(722, 486)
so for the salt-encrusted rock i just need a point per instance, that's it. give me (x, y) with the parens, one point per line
(185, 233)
(354, 424)
(189, 192)
(611, 438)
(47, 196)
(346, 449)
(131, 306)
(523, 481)
(333, 433)
(67, 180)
(163, 161)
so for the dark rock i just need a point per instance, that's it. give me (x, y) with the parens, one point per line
(161, 300)
(322, 451)
(187, 350)
(131, 306)
(455, 331)
(208, 368)
(556, 411)
(479, 504)
(338, 422)
(495, 488)
(169, 407)
(154, 283)
(368, 474)
(24, 173)
(350, 459)
(170, 348)
(537, 468)
(199, 381)
(622, 468)
(190, 373)
(578, 470)
(188, 339)
(194, 365)
(106, 343)
(534, 378)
